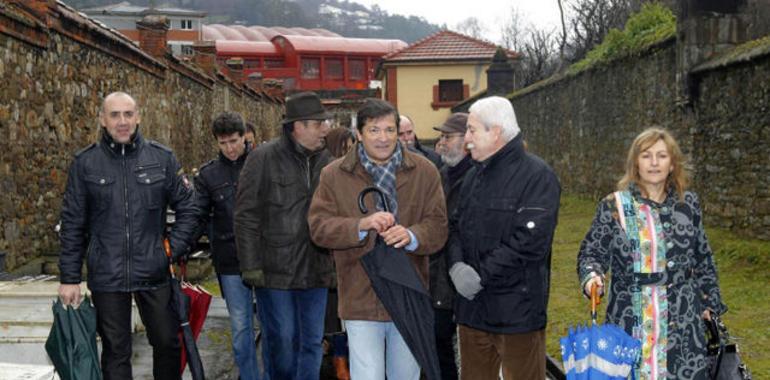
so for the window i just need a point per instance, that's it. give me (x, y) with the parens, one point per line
(271, 63)
(357, 69)
(310, 68)
(251, 63)
(185, 24)
(450, 90)
(187, 50)
(333, 69)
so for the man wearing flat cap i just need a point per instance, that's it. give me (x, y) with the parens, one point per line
(290, 273)
(456, 161)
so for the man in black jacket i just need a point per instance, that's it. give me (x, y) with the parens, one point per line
(292, 275)
(456, 160)
(216, 185)
(500, 248)
(114, 213)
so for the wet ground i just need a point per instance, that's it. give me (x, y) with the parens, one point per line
(213, 345)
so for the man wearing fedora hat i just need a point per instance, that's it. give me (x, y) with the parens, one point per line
(290, 273)
(451, 147)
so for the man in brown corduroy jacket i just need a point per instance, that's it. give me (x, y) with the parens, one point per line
(418, 224)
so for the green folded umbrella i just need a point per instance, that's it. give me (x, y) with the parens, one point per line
(71, 345)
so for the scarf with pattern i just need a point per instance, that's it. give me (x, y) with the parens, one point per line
(384, 176)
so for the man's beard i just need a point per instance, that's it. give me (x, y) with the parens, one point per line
(451, 159)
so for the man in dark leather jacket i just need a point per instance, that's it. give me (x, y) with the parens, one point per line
(292, 275)
(114, 213)
(499, 248)
(215, 186)
(456, 160)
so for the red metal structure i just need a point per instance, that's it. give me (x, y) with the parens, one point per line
(304, 59)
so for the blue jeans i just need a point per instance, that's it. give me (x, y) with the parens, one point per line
(292, 330)
(239, 299)
(377, 349)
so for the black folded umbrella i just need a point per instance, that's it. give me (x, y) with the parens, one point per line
(180, 303)
(400, 289)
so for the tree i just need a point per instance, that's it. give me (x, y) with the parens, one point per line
(512, 30)
(591, 20)
(537, 47)
(540, 59)
(563, 41)
(471, 27)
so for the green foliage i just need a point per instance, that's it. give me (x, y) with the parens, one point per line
(762, 44)
(743, 277)
(654, 23)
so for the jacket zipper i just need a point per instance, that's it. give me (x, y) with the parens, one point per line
(125, 206)
(307, 168)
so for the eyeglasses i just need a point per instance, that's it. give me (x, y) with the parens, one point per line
(447, 136)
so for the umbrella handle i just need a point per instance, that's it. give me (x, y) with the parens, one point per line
(167, 247)
(372, 189)
(596, 299)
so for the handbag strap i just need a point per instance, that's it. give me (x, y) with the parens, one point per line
(716, 327)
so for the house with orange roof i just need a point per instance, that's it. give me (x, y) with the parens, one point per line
(427, 78)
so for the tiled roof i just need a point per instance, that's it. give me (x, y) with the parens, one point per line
(446, 45)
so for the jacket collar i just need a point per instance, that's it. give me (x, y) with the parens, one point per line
(350, 160)
(117, 148)
(510, 152)
(636, 192)
(238, 161)
(296, 148)
(457, 171)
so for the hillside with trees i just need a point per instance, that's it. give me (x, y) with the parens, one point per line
(346, 18)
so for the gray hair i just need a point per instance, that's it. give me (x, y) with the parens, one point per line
(496, 111)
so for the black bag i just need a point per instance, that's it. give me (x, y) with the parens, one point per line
(723, 360)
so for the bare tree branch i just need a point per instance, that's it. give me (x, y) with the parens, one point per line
(471, 27)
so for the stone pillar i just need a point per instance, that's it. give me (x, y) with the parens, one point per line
(500, 74)
(254, 80)
(706, 28)
(152, 35)
(205, 56)
(235, 69)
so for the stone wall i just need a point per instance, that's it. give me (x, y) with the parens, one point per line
(54, 75)
(732, 145)
(583, 125)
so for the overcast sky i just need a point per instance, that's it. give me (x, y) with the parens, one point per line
(492, 13)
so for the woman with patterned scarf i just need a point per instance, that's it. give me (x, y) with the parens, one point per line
(649, 237)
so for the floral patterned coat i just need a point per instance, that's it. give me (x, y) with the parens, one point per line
(690, 275)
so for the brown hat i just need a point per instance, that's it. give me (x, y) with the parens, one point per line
(304, 106)
(455, 123)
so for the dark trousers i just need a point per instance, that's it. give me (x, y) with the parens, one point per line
(113, 323)
(445, 331)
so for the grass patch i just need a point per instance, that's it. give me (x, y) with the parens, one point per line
(743, 277)
(212, 286)
(654, 23)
